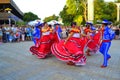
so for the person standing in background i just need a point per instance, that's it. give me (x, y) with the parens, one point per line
(4, 35)
(117, 32)
(7, 32)
(1, 34)
(23, 33)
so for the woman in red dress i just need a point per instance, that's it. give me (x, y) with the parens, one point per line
(93, 43)
(71, 50)
(45, 42)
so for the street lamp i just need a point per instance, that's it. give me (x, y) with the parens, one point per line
(9, 12)
(118, 11)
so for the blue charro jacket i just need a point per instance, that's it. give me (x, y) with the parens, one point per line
(108, 33)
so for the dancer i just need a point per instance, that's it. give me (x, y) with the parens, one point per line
(57, 33)
(37, 33)
(44, 43)
(107, 37)
(71, 49)
(93, 43)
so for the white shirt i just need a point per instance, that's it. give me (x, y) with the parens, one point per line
(46, 33)
(77, 35)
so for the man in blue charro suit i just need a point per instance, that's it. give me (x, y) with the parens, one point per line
(107, 36)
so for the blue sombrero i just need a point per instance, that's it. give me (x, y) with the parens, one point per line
(39, 24)
(105, 22)
(110, 23)
(89, 23)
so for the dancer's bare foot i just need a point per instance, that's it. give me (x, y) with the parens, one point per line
(70, 63)
(88, 54)
(40, 57)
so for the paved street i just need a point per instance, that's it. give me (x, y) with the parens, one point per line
(17, 63)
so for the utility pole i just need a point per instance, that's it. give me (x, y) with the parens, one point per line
(90, 10)
(118, 11)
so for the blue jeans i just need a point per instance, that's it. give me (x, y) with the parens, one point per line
(7, 37)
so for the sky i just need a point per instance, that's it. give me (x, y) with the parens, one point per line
(42, 8)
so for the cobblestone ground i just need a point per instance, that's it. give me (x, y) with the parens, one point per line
(17, 63)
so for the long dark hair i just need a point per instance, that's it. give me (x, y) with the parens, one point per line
(73, 23)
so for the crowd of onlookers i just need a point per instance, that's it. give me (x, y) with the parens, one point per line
(16, 33)
(116, 29)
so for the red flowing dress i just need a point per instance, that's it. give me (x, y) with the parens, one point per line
(45, 42)
(93, 43)
(72, 51)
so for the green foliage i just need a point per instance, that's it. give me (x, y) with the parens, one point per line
(20, 23)
(117, 0)
(72, 8)
(78, 19)
(53, 17)
(76, 8)
(73, 11)
(104, 10)
(98, 9)
(67, 18)
(112, 11)
(29, 16)
(117, 23)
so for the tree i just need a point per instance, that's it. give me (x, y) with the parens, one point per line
(98, 9)
(53, 17)
(71, 7)
(111, 11)
(20, 23)
(117, 1)
(78, 19)
(84, 7)
(29, 16)
(66, 18)
(103, 10)
(74, 11)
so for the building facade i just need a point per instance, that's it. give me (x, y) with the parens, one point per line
(9, 12)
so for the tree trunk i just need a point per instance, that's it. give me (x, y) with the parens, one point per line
(85, 10)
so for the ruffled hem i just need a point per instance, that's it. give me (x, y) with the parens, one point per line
(94, 44)
(34, 50)
(62, 54)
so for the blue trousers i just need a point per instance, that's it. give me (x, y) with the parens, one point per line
(34, 40)
(104, 50)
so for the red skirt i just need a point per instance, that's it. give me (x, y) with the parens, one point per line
(44, 48)
(71, 51)
(55, 38)
(94, 44)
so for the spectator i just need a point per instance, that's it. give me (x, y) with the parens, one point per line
(4, 35)
(1, 34)
(29, 33)
(7, 32)
(23, 33)
(64, 32)
(18, 34)
(11, 37)
(117, 32)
